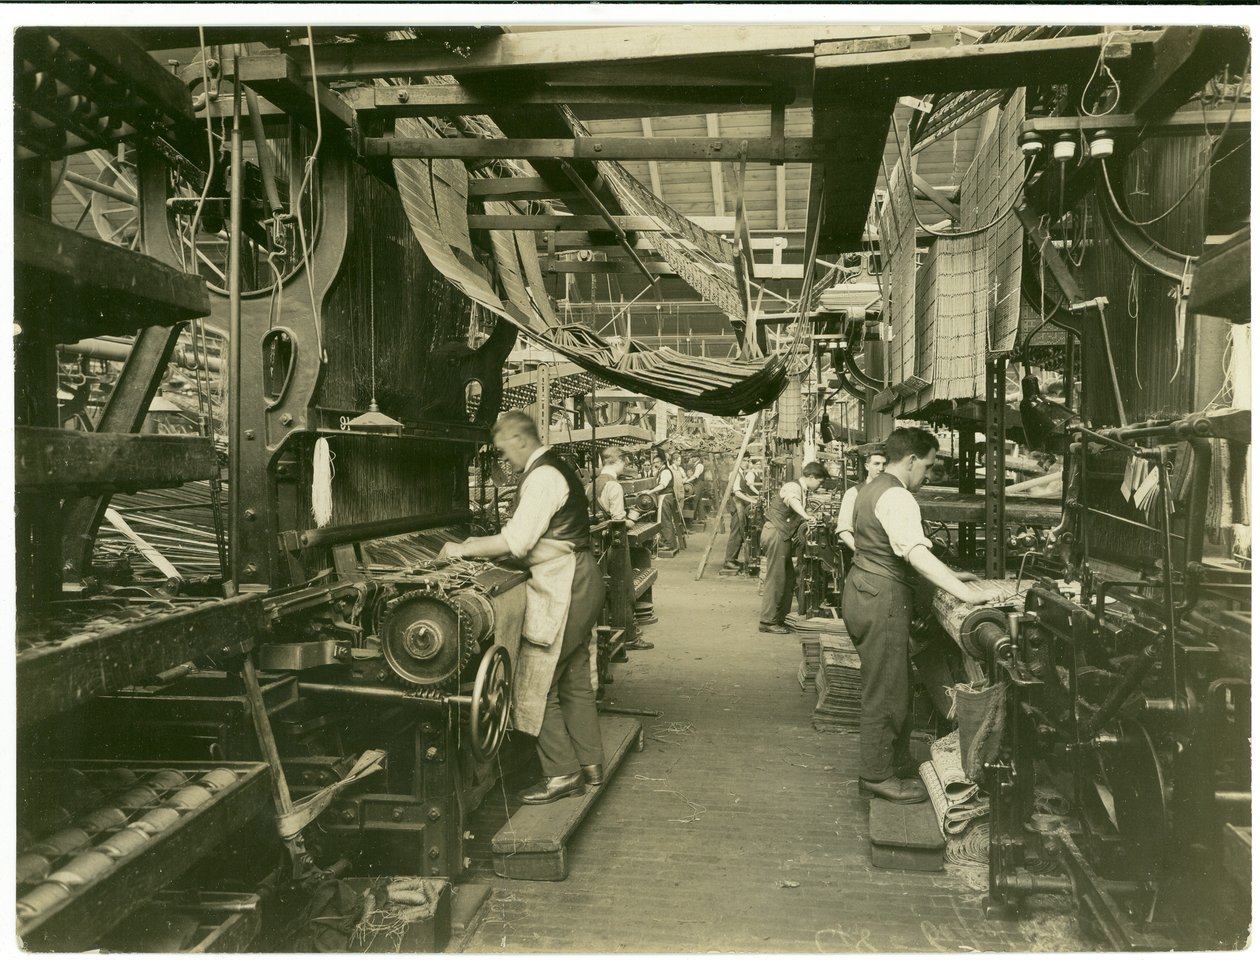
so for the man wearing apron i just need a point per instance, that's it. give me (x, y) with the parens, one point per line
(550, 531)
(784, 517)
(877, 608)
(744, 496)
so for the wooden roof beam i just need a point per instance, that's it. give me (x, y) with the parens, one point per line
(1188, 121)
(569, 48)
(654, 169)
(1182, 60)
(706, 149)
(975, 67)
(429, 99)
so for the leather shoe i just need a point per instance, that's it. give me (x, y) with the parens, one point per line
(894, 790)
(593, 774)
(772, 628)
(731, 565)
(549, 789)
(640, 645)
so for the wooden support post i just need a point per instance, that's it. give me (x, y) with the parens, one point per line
(654, 168)
(730, 485)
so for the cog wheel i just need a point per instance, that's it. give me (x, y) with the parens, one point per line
(422, 637)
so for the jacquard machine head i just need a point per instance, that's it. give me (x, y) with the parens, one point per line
(1125, 693)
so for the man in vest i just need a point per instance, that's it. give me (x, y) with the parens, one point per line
(699, 481)
(878, 600)
(784, 517)
(744, 495)
(550, 531)
(610, 498)
(610, 504)
(875, 461)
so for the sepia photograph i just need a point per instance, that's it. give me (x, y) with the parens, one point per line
(625, 479)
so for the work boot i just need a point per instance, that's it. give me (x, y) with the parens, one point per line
(894, 790)
(640, 645)
(593, 774)
(549, 789)
(772, 628)
(731, 565)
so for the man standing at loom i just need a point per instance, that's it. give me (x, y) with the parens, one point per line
(744, 495)
(877, 609)
(875, 461)
(784, 517)
(610, 504)
(550, 531)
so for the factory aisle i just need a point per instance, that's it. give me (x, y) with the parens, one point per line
(739, 827)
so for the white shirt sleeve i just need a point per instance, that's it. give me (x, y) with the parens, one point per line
(613, 499)
(543, 493)
(847, 504)
(898, 511)
(792, 491)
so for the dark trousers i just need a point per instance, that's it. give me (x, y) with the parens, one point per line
(780, 582)
(671, 522)
(739, 521)
(570, 726)
(877, 612)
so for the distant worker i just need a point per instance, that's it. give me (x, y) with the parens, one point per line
(877, 608)
(875, 462)
(744, 496)
(670, 514)
(784, 516)
(610, 497)
(700, 489)
(550, 530)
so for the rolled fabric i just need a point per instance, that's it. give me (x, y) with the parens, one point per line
(103, 819)
(62, 842)
(218, 779)
(83, 869)
(118, 845)
(947, 759)
(42, 899)
(190, 798)
(140, 796)
(32, 868)
(167, 780)
(155, 821)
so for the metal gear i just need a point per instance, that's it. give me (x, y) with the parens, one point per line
(422, 636)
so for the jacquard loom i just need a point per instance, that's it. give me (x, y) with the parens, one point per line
(1127, 692)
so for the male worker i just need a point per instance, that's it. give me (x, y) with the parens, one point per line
(610, 498)
(744, 496)
(891, 548)
(875, 461)
(784, 517)
(610, 504)
(699, 481)
(550, 530)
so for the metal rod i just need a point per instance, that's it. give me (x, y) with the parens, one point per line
(367, 693)
(102, 188)
(1170, 604)
(235, 353)
(372, 529)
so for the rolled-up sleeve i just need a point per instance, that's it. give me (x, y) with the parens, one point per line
(614, 500)
(898, 511)
(847, 504)
(542, 494)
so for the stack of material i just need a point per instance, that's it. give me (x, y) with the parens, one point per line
(811, 651)
(839, 684)
(955, 799)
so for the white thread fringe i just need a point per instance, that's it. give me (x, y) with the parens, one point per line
(322, 473)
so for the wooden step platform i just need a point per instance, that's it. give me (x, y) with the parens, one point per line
(531, 845)
(906, 836)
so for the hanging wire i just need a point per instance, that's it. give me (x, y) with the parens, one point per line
(1216, 145)
(957, 234)
(1134, 313)
(306, 180)
(1111, 78)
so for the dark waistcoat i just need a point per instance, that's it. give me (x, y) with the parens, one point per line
(572, 521)
(874, 552)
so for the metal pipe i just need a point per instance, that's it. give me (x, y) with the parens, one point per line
(1170, 603)
(367, 693)
(235, 353)
(102, 188)
(372, 529)
(266, 164)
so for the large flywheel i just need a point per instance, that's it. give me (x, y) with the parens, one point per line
(421, 638)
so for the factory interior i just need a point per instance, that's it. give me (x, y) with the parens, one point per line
(296, 638)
